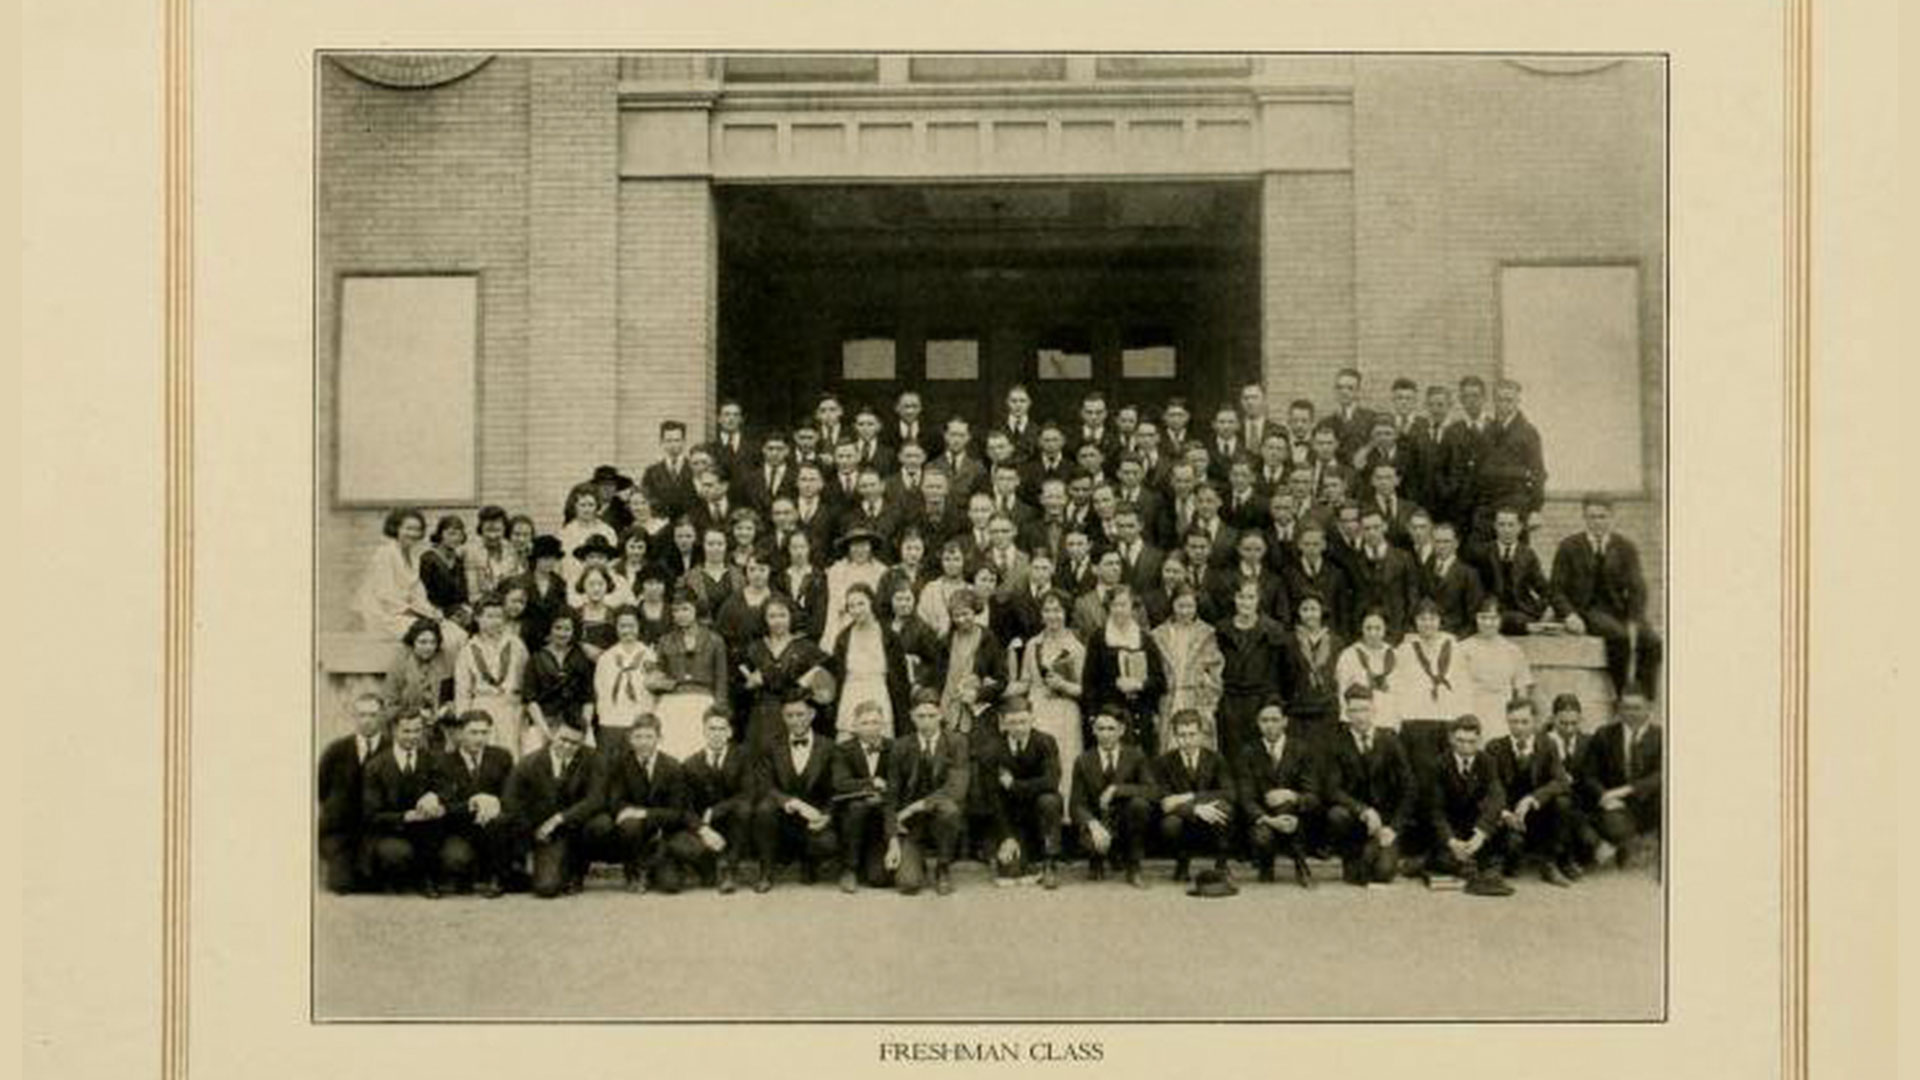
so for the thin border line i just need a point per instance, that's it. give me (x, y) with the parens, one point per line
(1795, 1061)
(176, 887)
(318, 57)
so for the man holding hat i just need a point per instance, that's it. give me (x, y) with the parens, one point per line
(1020, 777)
(927, 782)
(860, 767)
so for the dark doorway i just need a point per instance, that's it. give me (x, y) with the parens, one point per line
(961, 291)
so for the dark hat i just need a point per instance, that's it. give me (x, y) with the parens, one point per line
(546, 546)
(596, 544)
(1212, 884)
(858, 532)
(607, 474)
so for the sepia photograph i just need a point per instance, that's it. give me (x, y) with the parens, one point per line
(989, 537)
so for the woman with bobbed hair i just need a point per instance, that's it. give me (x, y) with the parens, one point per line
(420, 678)
(392, 595)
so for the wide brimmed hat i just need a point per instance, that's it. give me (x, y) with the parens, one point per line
(858, 532)
(596, 544)
(1213, 884)
(546, 546)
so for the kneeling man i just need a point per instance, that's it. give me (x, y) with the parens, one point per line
(927, 783)
(1196, 797)
(1466, 801)
(860, 794)
(1370, 795)
(1112, 799)
(476, 839)
(1020, 771)
(646, 796)
(1279, 793)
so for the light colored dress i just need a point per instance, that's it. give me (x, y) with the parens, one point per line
(620, 693)
(841, 576)
(1379, 671)
(1497, 672)
(487, 675)
(392, 596)
(1430, 681)
(866, 680)
(1055, 713)
(1194, 666)
(932, 607)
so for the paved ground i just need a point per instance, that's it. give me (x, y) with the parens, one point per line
(1087, 951)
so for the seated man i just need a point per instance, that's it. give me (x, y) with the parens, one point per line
(927, 784)
(1279, 793)
(1623, 780)
(476, 837)
(1112, 797)
(551, 795)
(1537, 788)
(1370, 795)
(646, 803)
(1466, 800)
(342, 767)
(1196, 797)
(1513, 574)
(1020, 773)
(796, 786)
(1598, 588)
(402, 811)
(859, 793)
(720, 796)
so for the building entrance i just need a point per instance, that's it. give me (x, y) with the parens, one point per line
(961, 291)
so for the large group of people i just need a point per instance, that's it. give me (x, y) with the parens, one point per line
(869, 646)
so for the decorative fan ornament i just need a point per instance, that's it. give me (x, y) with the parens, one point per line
(410, 71)
(1565, 65)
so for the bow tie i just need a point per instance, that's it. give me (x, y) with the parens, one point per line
(801, 742)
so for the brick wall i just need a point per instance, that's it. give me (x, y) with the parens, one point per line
(572, 233)
(666, 313)
(1462, 164)
(423, 180)
(1307, 285)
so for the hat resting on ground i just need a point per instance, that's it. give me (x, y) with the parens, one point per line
(1212, 884)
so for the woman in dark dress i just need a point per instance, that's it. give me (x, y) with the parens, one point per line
(919, 645)
(1313, 653)
(739, 621)
(559, 679)
(443, 570)
(1255, 648)
(775, 662)
(911, 571)
(1124, 670)
(596, 611)
(711, 579)
(805, 584)
(653, 608)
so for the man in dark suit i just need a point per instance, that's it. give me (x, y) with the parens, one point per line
(1312, 573)
(1225, 445)
(1623, 779)
(1513, 574)
(1384, 576)
(402, 812)
(796, 796)
(904, 487)
(1135, 489)
(1597, 586)
(772, 478)
(1451, 583)
(1461, 445)
(1538, 792)
(342, 769)
(909, 427)
(1050, 461)
(871, 450)
(646, 799)
(1019, 425)
(965, 474)
(477, 838)
(1370, 794)
(1465, 804)
(1422, 443)
(1243, 506)
(1111, 799)
(843, 476)
(1572, 746)
(1196, 796)
(1139, 560)
(1020, 608)
(733, 453)
(1512, 468)
(1383, 494)
(860, 793)
(1003, 484)
(1020, 772)
(551, 795)
(871, 511)
(720, 796)
(1251, 567)
(1094, 428)
(813, 513)
(935, 512)
(669, 482)
(1351, 422)
(712, 506)
(927, 785)
(1280, 788)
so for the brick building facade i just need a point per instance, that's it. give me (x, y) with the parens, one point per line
(624, 215)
